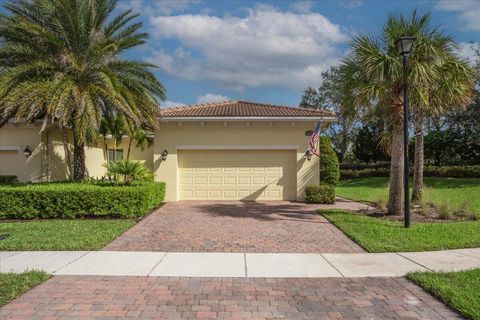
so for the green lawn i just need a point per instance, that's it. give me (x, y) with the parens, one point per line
(453, 192)
(61, 234)
(378, 235)
(13, 285)
(460, 290)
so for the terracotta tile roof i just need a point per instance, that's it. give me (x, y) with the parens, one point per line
(235, 108)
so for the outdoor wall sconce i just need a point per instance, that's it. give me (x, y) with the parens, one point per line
(308, 154)
(27, 152)
(164, 155)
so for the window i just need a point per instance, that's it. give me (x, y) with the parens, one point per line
(115, 154)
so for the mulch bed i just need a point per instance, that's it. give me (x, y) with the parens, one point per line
(418, 214)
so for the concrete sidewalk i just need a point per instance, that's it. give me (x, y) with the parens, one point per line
(270, 265)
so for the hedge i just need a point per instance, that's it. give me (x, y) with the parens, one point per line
(429, 171)
(77, 200)
(362, 166)
(329, 171)
(8, 179)
(322, 193)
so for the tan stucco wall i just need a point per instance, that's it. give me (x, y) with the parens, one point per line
(20, 136)
(95, 156)
(51, 165)
(234, 134)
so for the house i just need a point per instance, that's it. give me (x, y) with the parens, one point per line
(231, 150)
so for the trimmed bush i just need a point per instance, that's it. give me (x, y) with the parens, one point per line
(322, 193)
(77, 200)
(8, 179)
(329, 171)
(429, 171)
(128, 171)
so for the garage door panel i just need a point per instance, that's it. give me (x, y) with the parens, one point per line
(229, 180)
(229, 194)
(237, 174)
(9, 160)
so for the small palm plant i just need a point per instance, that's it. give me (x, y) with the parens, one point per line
(129, 171)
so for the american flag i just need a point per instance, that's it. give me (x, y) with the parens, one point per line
(312, 144)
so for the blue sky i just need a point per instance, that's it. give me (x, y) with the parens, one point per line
(268, 51)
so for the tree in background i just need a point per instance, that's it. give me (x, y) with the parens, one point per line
(367, 143)
(60, 60)
(373, 74)
(331, 96)
(310, 99)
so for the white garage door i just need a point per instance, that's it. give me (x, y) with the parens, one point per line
(237, 174)
(9, 162)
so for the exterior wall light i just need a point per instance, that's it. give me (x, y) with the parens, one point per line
(27, 152)
(164, 155)
(308, 155)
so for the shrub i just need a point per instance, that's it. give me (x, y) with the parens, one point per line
(329, 171)
(75, 200)
(361, 166)
(429, 171)
(8, 179)
(129, 171)
(322, 193)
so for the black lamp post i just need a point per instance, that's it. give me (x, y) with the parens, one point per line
(404, 46)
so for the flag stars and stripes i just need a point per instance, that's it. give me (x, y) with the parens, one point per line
(313, 143)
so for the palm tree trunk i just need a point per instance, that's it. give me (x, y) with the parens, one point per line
(129, 147)
(68, 158)
(343, 145)
(78, 159)
(419, 161)
(105, 147)
(396, 172)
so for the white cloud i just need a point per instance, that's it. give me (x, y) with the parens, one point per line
(211, 97)
(468, 10)
(170, 104)
(266, 47)
(467, 51)
(164, 7)
(350, 4)
(302, 6)
(168, 7)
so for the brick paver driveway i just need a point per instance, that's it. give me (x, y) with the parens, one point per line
(235, 227)
(84, 297)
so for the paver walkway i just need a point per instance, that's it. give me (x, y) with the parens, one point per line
(215, 264)
(225, 298)
(275, 226)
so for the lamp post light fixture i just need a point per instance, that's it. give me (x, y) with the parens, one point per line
(404, 46)
(27, 152)
(164, 155)
(308, 155)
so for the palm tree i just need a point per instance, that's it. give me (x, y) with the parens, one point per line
(372, 73)
(142, 139)
(60, 60)
(112, 124)
(453, 90)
